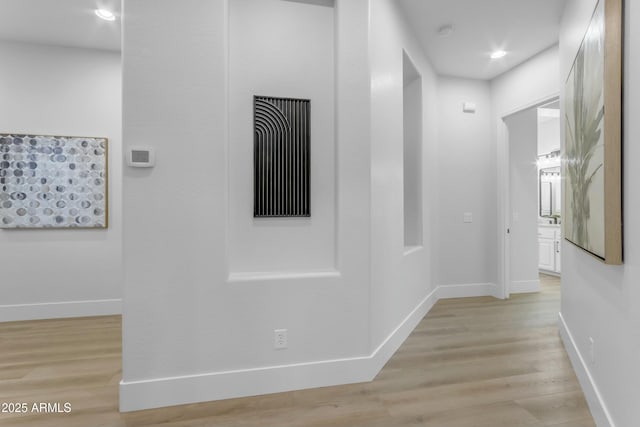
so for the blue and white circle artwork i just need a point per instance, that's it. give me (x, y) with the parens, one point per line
(53, 181)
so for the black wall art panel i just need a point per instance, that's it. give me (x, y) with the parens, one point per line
(281, 157)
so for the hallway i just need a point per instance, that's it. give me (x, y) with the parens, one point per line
(475, 362)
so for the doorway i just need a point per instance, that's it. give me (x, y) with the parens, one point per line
(549, 189)
(532, 199)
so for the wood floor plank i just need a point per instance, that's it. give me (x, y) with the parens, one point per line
(487, 392)
(476, 362)
(584, 422)
(503, 414)
(554, 408)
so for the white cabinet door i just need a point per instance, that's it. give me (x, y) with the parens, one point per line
(546, 254)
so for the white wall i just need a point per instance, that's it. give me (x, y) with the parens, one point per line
(400, 282)
(62, 91)
(466, 177)
(548, 142)
(472, 170)
(412, 156)
(523, 148)
(191, 332)
(530, 83)
(200, 307)
(533, 81)
(548, 135)
(293, 60)
(600, 301)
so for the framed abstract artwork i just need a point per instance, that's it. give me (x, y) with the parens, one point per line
(53, 181)
(281, 157)
(593, 132)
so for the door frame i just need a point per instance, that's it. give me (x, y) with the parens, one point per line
(504, 192)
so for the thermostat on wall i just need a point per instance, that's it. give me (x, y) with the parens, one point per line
(468, 107)
(141, 157)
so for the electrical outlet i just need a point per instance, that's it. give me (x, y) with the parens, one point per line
(592, 351)
(279, 339)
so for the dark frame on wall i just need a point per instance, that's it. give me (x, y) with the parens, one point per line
(281, 157)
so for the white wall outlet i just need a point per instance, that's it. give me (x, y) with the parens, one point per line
(279, 338)
(468, 217)
(592, 350)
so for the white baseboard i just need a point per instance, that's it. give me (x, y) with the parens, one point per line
(468, 290)
(282, 275)
(387, 349)
(169, 391)
(598, 408)
(57, 310)
(548, 272)
(524, 286)
(155, 393)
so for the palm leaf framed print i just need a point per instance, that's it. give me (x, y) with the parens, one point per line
(593, 124)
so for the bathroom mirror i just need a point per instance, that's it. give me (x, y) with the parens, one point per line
(550, 196)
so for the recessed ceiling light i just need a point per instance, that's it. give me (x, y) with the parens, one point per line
(445, 30)
(105, 14)
(497, 54)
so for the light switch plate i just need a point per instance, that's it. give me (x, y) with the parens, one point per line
(468, 217)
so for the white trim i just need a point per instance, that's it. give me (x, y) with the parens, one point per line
(504, 202)
(468, 290)
(504, 193)
(58, 310)
(549, 272)
(536, 103)
(408, 250)
(596, 403)
(169, 391)
(525, 286)
(392, 343)
(282, 275)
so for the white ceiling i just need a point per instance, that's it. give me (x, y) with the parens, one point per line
(60, 22)
(520, 27)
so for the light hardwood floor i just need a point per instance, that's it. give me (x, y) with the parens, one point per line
(477, 362)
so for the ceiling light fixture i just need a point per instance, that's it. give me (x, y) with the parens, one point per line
(105, 14)
(498, 54)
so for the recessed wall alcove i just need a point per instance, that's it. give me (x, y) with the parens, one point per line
(412, 153)
(282, 50)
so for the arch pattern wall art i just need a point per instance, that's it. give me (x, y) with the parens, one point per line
(281, 157)
(53, 181)
(593, 138)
